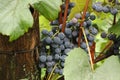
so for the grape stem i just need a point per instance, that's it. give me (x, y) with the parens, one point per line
(65, 15)
(83, 18)
(114, 20)
(49, 77)
(102, 55)
(91, 60)
(80, 34)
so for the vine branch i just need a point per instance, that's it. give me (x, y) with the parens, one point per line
(65, 15)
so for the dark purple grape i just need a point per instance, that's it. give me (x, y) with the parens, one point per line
(61, 71)
(103, 35)
(83, 45)
(78, 16)
(42, 58)
(75, 33)
(106, 9)
(57, 57)
(61, 35)
(49, 64)
(62, 47)
(55, 22)
(49, 58)
(48, 40)
(44, 32)
(67, 44)
(90, 38)
(68, 31)
(92, 17)
(57, 50)
(114, 11)
(57, 40)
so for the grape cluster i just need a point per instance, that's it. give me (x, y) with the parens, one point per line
(114, 49)
(57, 44)
(99, 7)
(54, 50)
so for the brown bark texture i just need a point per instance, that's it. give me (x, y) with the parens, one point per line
(15, 64)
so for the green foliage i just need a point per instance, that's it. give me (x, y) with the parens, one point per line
(44, 23)
(77, 65)
(109, 70)
(115, 28)
(49, 8)
(15, 18)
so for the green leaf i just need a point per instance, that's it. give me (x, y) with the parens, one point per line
(44, 23)
(115, 28)
(110, 70)
(15, 18)
(77, 66)
(48, 8)
(79, 6)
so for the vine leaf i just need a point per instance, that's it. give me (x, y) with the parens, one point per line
(115, 28)
(109, 70)
(48, 8)
(77, 66)
(15, 18)
(79, 6)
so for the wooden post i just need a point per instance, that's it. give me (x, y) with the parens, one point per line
(20, 65)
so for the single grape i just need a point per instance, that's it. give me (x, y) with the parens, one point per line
(50, 33)
(61, 35)
(62, 47)
(57, 50)
(61, 71)
(54, 45)
(42, 58)
(66, 51)
(62, 64)
(74, 20)
(103, 35)
(94, 31)
(114, 11)
(57, 57)
(49, 58)
(55, 22)
(57, 40)
(62, 58)
(44, 32)
(41, 65)
(92, 17)
(49, 69)
(87, 15)
(67, 44)
(71, 4)
(49, 64)
(48, 40)
(78, 16)
(75, 33)
(106, 9)
(68, 31)
(89, 22)
(90, 38)
(83, 45)
(56, 70)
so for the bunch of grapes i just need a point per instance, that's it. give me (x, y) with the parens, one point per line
(114, 49)
(57, 44)
(101, 7)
